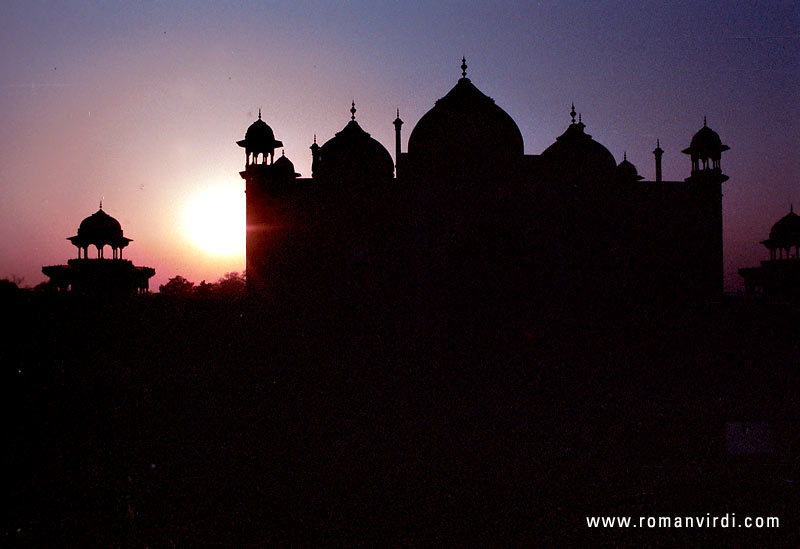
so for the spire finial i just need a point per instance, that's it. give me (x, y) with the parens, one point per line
(624, 155)
(101, 203)
(353, 110)
(658, 143)
(398, 112)
(704, 122)
(315, 139)
(463, 67)
(791, 207)
(579, 119)
(282, 153)
(572, 112)
(259, 113)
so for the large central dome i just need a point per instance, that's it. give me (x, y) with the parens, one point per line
(466, 123)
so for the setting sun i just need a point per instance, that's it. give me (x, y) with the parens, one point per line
(213, 220)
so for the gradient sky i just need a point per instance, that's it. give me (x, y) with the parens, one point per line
(141, 105)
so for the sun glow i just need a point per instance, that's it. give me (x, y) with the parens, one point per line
(213, 220)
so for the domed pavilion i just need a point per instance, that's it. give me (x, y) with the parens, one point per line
(778, 277)
(100, 275)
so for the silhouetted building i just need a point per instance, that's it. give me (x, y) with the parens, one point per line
(778, 277)
(100, 275)
(469, 218)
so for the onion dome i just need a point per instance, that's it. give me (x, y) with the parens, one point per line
(626, 171)
(284, 168)
(786, 232)
(706, 144)
(100, 226)
(100, 229)
(259, 139)
(465, 124)
(352, 153)
(575, 156)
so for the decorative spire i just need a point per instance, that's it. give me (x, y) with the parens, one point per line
(658, 143)
(791, 207)
(579, 119)
(463, 67)
(624, 155)
(101, 203)
(282, 153)
(315, 139)
(572, 112)
(353, 110)
(704, 122)
(259, 113)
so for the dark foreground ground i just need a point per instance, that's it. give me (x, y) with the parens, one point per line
(159, 423)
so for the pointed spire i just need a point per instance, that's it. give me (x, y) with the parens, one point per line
(353, 110)
(579, 119)
(624, 155)
(572, 112)
(282, 153)
(463, 67)
(398, 112)
(658, 143)
(315, 139)
(791, 207)
(259, 113)
(704, 122)
(101, 203)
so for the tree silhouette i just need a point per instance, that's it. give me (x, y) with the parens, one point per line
(177, 286)
(231, 285)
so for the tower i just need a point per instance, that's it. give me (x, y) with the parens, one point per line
(658, 152)
(397, 149)
(705, 219)
(263, 179)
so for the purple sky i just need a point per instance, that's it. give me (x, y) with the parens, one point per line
(141, 106)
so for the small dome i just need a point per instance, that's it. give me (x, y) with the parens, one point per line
(353, 153)
(259, 138)
(285, 168)
(575, 156)
(786, 232)
(100, 228)
(626, 171)
(466, 124)
(706, 144)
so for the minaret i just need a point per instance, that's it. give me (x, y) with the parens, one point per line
(658, 152)
(314, 155)
(397, 124)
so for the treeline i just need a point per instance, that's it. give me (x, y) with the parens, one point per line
(230, 285)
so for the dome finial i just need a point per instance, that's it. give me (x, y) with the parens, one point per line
(259, 113)
(572, 112)
(353, 110)
(315, 139)
(791, 207)
(463, 67)
(579, 119)
(101, 203)
(704, 122)
(658, 143)
(624, 155)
